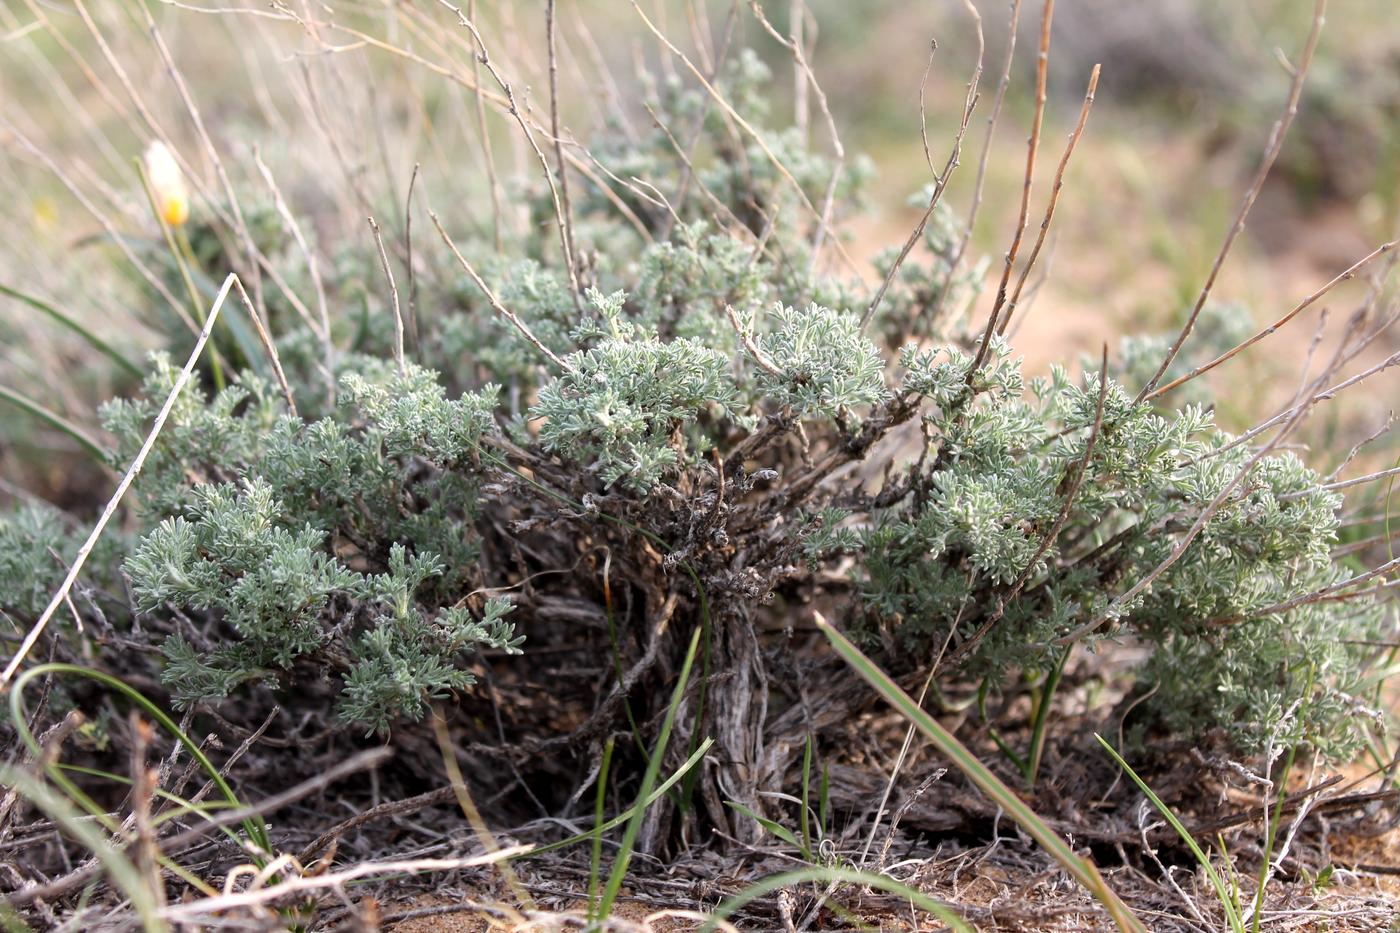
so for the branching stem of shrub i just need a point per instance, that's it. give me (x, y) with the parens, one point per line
(1054, 199)
(940, 180)
(1346, 275)
(1271, 151)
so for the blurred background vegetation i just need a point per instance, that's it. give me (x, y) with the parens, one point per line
(340, 100)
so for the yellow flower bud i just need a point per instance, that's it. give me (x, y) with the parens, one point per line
(167, 183)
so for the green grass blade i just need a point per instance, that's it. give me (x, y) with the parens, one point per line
(828, 875)
(626, 815)
(777, 829)
(600, 802)
(125, 876)
(807, 799)
(634, 825)
(1226, 901)
(254, 827)
(1081, 870)
(72, 324)
(55, 420)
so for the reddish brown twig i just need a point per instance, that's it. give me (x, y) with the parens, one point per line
(1054, 199)
(1042, 68)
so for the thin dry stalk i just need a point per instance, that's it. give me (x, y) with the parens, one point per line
(1115, 607)
(940, 179)
(488, 156)
(266, 340)
(240, 225)
(313, 267)
(202, 911)
(1042, 67)
(394, 298)
(495, 303)
(86, 550)
(805, 76)
(565, 229)
(567, 217)
(967, 647)
(408, 263)
(734, 115)
(1271, 151)
(1346, 275)
(982, 161)
(1054, 199)
(470, 811)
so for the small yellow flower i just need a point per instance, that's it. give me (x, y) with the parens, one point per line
(168, 184)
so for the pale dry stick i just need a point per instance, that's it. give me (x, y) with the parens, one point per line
(1271, 151)
(126, 481)
(495, 303)
(686, 153)
(348, 170)
(394, 298)
(1346, 275)
(567, 217)
(977, 190)
(228, 11)
(1319, 333)
(502, 103)
(192, 911)
(940, 180)
(1319, 595)
(805, 75)
(796, 13)
(210, 150)
(1360, 445)
(1054, 200)
(1042, 68)
(266, 340)
(923, 107)
(565, 229)
(611, 92)
(1347, 483)
(61, 38)
(61, 90)
(1323, 396)
(153, 125)
(313, 267)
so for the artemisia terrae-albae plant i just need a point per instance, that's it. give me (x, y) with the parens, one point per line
(699, 418)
